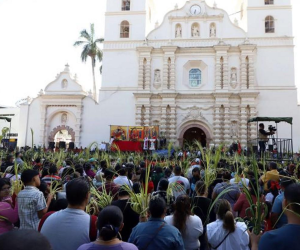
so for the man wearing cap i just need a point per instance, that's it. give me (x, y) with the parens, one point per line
(31, 202)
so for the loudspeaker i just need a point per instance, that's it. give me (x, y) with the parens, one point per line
(62, 144)
(271, 148)
(255, 149)
(51, 145)
(71, 145)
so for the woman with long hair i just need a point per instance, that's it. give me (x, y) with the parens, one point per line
(201, 205)
(225, 233)
(109, 224)
(190, 226)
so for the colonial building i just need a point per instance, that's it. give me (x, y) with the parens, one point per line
(198, 74)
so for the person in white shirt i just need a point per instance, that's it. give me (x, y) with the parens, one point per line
(190, 226)
(122, 179)
(239, 179)
(190, 170)
(181, 184)
(224, 233)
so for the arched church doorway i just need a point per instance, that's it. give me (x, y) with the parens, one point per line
(193, 134)
(62, 139)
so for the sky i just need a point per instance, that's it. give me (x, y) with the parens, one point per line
(37, 37)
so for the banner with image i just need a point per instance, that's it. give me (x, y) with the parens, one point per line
(151, 132)
(136, 133)
(119, 133)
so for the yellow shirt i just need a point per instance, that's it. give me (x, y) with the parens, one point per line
(270, 175)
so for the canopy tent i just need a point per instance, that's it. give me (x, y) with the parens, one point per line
(272, 119)
(5, 118)
(283, 146)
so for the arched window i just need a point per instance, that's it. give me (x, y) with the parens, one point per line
(195, 77)
(269, 24)
(268, 2)
(178, 31)
(195, 30)
(125, 5)
(212, 30)
(124, 32)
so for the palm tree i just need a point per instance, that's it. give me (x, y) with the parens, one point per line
(90, 49)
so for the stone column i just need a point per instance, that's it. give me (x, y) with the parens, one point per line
(78, 126)
(166, 73)
(253, 125)
(247, 74)
(43, 129)
(243, 125)
(227, 125)
(218, 73)
(172, 131)
(226, 76)
(217, 126)
(163, 120)
(147, 115)
(138, 115)
(141, 74)
(169, 68)
(243, 73)
(251, 75)
(144, 77)
(221, 74)
(172, 73)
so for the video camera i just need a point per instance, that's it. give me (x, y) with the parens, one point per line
(272, 128)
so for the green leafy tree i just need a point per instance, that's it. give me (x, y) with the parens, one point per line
(4, 131)
(90, 49)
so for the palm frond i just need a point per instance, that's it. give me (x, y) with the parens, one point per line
(77, 43)
(86, 35)
(85, 52)
(99, 40)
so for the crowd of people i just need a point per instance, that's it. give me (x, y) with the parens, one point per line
(183, 211)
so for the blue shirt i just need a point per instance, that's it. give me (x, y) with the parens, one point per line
(284, 238)
(67, 229)
(277, 208)
(168, 238)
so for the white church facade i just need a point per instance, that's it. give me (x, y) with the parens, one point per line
(196, 72)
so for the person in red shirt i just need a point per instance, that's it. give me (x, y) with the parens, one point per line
(242, 203)
(143, 181)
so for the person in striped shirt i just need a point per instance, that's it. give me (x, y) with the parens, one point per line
(52, 175)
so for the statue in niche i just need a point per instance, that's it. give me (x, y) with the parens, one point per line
(233, 77)
(64, 118)
(213, 30)
(234, 129)
(64, 84)
(195, 31)
(178, 31)
(157, 76)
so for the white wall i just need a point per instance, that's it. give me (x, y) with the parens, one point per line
(120, 68)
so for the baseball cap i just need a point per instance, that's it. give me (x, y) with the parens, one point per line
(92, 160)
(197, 160)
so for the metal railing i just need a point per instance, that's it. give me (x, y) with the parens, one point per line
(275, 148)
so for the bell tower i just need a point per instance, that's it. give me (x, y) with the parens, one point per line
(128, 19)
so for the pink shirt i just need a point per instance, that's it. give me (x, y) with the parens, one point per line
(11, 215)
